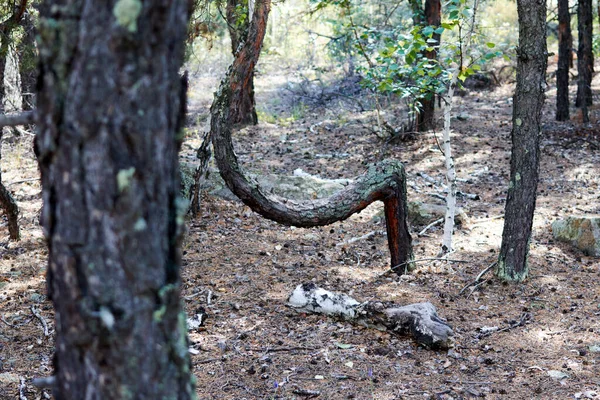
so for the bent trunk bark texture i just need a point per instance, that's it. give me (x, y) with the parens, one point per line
(110, 115)
(524, 161)
(564, 53)
(585, 57)
(418, 320)
(243, 108)
(385, 181)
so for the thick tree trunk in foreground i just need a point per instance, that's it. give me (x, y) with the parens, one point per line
(564, 53)
(110, 113)
(385, 181)
(418, 320)
(585, 57)
(527, 112)
(243, 108)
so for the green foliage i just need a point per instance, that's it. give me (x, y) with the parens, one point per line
(407, 60)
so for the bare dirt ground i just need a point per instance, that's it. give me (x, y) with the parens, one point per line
(240, 268)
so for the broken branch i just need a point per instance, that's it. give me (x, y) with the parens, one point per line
(41, 319)
(23, 118)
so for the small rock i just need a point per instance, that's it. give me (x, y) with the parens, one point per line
(7, 377)
(582, 232)
(312, 236)
(594, 348)
(557, 375)
(37, 298)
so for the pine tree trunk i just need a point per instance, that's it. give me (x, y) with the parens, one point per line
(27, 54)
(564, 52)
(585, 57)
(430, 15)
(7, 202)
(110, 114)
(243, 108)
(527, 112)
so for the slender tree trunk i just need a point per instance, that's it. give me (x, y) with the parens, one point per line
(564, 52)
(585, 57)
(7, 202)
(430, 14)
(433, 17)
(27, 54)
(385, 181)
(243, 108)
(9, 205)
(110, 111)
(527, 112)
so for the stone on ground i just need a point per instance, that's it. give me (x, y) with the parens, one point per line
(583, 232)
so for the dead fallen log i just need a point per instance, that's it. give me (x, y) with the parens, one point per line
(385, 181)
(418, 320)
(22, 118)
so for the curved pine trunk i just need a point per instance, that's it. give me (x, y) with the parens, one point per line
(385, 181)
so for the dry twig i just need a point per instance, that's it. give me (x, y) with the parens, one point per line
(525, 317)
(479, 276)
(41, 319)
(363, 237)
(434, 223)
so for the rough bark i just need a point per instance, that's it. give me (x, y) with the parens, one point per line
(110, 119)
(203, 154)
(9, 205)
(418, 320)
(385, 181)
(243, 108)
(564, 54)
(433, 17)
(27, 54)
(585, 57)
(527, 111)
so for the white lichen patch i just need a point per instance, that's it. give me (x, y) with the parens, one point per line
(107, 318)
(124, 178)
(127, 12)
(140, 225)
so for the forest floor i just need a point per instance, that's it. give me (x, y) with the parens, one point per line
(535, 340)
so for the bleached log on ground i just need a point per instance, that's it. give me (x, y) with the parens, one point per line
(418, 320)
